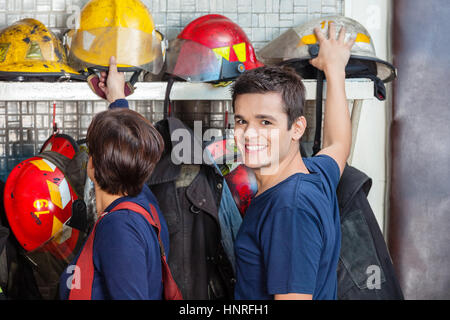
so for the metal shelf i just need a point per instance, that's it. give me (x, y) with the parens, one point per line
(356, 89)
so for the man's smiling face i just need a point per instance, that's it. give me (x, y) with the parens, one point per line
(261, 130)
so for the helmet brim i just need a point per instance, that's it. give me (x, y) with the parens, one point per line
(30, 71)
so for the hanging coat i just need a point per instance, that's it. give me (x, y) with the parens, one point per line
(365, 269)
(189, 193)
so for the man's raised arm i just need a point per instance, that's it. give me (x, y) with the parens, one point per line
(332, 59)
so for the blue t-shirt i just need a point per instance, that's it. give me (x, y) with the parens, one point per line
(126, 254)
(289, 240)
(119, 103)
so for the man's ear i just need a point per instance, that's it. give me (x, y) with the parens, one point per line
(90, 170)
(299, 127)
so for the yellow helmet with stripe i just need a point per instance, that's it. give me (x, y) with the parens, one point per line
(29, 51)
(121, 28)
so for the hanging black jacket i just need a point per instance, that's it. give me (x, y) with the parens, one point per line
(4, 233)
(365, 270)
(17, 278)
(189, 195)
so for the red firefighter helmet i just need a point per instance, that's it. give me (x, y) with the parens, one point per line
(240, 179)
(62, 144)
(211, 48)
(243, 187)
(38, 201)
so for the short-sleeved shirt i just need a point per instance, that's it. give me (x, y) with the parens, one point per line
(289, 240)
(126, 254)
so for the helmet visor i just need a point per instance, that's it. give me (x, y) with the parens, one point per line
(53, 257)
(285, 47)
(62, 246)
(131, 47)
(193, 62)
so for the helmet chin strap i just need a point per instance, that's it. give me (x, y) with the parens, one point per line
(319, 102)
(93, 81)
(314, 52)
(79, 219)
(55, 125)
(167, 104)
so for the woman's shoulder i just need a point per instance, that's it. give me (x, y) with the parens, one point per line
(124, 223)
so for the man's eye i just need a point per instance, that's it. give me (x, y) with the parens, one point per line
(240, 121)
(266, 123)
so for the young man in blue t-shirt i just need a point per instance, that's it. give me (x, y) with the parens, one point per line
(289, 242)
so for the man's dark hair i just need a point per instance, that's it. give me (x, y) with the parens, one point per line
(283, 80)
(125, 148)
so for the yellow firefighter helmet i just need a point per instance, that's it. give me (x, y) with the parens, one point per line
(121, 28)
(29, 51)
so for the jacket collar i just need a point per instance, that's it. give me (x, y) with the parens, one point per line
(185, 148)
(351, 182)
(168, 169)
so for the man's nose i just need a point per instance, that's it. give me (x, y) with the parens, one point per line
(250, 132)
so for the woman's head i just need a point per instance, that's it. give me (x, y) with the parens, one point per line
(124, 148)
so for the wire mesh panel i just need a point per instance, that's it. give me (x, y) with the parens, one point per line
(212, 114)
(26, 125)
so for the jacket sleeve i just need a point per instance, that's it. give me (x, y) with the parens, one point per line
(119, 103)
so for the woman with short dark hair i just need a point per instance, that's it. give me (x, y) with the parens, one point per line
(124, 148)
(124, 259)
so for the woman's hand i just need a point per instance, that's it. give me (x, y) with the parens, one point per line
(113, 83)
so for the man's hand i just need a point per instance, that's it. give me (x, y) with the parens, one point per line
(113, 83)
(333, 53)
(332, 59)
